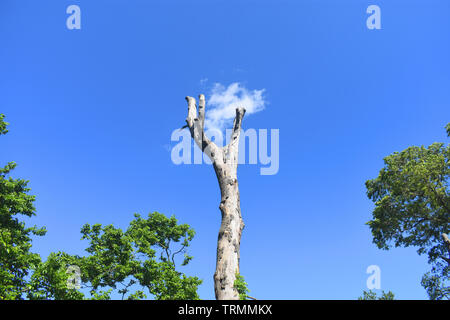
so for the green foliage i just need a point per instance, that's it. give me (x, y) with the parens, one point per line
(138, 295)
(241, 286)
(143, 255)
(435, 287)
(3, 125)
(372, 295)
(412, 203)
(102, 295)
(50, 279)
(16, 260)
(118, 261)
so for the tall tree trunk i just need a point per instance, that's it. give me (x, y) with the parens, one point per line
(228, 244)
(225, 162)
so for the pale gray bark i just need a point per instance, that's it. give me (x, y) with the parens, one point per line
(225, 162)
(446, 240)
(447, 244)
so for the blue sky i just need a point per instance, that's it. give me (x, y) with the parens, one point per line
(92, 112)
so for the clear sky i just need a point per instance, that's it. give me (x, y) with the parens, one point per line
(92, 112)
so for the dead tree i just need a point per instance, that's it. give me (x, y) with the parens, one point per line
(225, 162)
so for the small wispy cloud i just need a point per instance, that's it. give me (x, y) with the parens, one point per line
(223, 101)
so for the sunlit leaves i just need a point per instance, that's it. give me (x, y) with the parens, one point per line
(372, 295)
(3, 125)
(241, 286)
(118, 263)
(144, 255)
(412, 202)
(16, 260)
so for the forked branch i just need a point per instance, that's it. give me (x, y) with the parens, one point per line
(196, 123)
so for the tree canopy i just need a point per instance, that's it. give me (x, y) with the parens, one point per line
(127, 264)
(119, 264)
(412, 207)
(372, 295)
(16, 259)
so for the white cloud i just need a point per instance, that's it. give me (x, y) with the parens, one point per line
(223, 101)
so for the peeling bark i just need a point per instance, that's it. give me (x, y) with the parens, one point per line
(225, 162)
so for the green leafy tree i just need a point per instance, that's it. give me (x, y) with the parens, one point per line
(16, 259)
(412, 208)
(51, 279)
(143, 256)
(372, 295)
(435, 286)
(125, 263)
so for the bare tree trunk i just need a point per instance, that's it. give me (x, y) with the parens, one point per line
(225, 161)
(447, 244)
